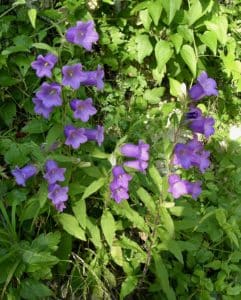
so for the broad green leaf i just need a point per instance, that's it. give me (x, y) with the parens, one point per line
(219, 25)
(173, 247)
(171, 7)
(108, 227)
(44, 46)
(176, 89)
(94, 232)
(167, 221)
(32, 14)
(128, 286)
(8, 112)
(145, 19)
(71, 225)
(163, 52)
(18, 2)
(156, 177)
(195, 12)
(154, 95)
(79, 209)
(36, 126)
(188, 55)
(177, 40)
(186, 33)
(65, 158)
(54, 133)
(209, 38)
(127, 243)
(144, 47)
(93, 187)
(48, 241)
(116, 254)
(32, 289)
(155, 10)
(147, 200)
(7, 80)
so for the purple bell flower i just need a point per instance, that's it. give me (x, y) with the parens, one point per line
(83, 109)
(74, 136)
(53, 172)
(95, 134)
(121, 178)
(203, 125)
(44, 65)
(72, 76)
(194, 113)
(194, 189)
(83, 34)
(140, 151)
(119, 193)
(139, 165)
(50, 94)
(204, 87)
(58, 195)
(21, 175)
(40, 109)
(93, 78)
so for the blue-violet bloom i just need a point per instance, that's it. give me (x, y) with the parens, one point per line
(58, 195)
(74, 136)
(95, 134)
(140, 151)
(50, 94)
(83, 109)
(83, 34)
(53, 172)
(21, 175)
(139, 165)
(205, 86)
(40, 109)
(44, 65)
(72, 76)
(93, 78)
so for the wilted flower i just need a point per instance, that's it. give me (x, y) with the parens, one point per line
(204, 87)
(50, 94)
(83, 109)
(72, 76)
(58, 195)
(95, 134)
(140, 151)
(179, 187)
(40, 109)
(44, 65)
(74, 136)
(83, 34)
(53, 172)
(21, 175)
(93, 78)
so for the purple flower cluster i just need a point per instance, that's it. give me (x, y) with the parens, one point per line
(120, 182)
(23, 174)
(50, 94)
(56, 193)
(193, 154)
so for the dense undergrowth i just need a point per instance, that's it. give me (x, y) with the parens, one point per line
(151, 245)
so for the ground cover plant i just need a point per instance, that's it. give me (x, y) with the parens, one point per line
(120, 149)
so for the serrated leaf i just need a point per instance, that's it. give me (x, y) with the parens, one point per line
(167, 221)
(71, 225)
(189, 57)
(94, 232)
(173, 247)
(163, 52)
(79, 210)
(108, 227)
(219, 25)
(154, 95)
(128, 286)
(32, 289)
(144, 47)
(171, 7)
(146, 199)
(209, 38)
(93, 187)
(48, 241)
(54, 133)
(32, 14)
(155, 10)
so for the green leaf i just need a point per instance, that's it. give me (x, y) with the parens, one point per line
(8, 112)
(108, 227)
(6, 80)
(188, 55)
(79, 210)
(55, 132)
(145, 19)
(144, 47)
(128, 286)
(32, 289)
(48, 241)
(156, 177)
(93, 187)
(167, 221)
(175, 87)
(153, 96)
(147, 200)
(46, 47)
(173, 247)
(18, 2)
(171, 7)
(195, 12)
(94, 232)
(32, 14)
(219, 25)
(71, 225)
(116, 254)
(163, 52)
(36, 126)
(209, 38)
(155, 10)
(177, 40)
